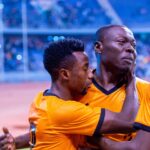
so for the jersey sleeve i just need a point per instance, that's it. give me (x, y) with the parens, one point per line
(76, 118)
(142, 120)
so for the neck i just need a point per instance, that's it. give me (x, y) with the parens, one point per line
(107, 78)
(59, 90)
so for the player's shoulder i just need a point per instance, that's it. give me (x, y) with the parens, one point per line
(143, 88)
(44, 99)
(142, 83)
(67, 111)
(37, 108)
(38, 101)
(71, 106)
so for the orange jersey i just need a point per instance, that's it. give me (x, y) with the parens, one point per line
(58, 123)
(142, 120)
(113, 100)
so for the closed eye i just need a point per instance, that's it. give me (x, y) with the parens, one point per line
(121, 42)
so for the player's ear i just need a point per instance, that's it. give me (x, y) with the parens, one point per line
(64, 74)
(98, 46)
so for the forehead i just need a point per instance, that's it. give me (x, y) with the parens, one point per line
(81, 57)
(116, 32)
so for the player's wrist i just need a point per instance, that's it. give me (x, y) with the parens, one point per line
(12, 144)
(131, 88)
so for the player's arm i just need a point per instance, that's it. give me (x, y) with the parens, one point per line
(142, 123)
(107, 144)
(7, 141)
(22, 141)
(140, 142)
(85, 120)
(122, 122)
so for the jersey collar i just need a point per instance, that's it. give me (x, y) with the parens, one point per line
(107, 92)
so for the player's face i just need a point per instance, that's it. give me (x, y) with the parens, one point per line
(81, 75)
(119, 48)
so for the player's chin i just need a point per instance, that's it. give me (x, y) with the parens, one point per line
(87, 85)
(125, 68)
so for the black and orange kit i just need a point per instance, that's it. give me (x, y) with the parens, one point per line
(58, 123)
(113, 100)
(142, 120)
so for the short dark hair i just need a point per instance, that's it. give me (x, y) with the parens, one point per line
(102, 31)
(59, 54)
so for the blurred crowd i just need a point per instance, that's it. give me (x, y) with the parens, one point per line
(59, 14)
(36, 43)
(143, 51)
(72, 14)
(11, 13)
(13, 53)
(133, 14)
(54, 14)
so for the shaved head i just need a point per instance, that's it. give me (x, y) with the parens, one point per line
(114, 44)
(101, 33)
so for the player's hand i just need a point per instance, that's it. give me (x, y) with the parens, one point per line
(93, 142)
(130, 79)
(7, 141)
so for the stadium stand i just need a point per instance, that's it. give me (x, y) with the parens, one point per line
(27, 27)
(133, 13)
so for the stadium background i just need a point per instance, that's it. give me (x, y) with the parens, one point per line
(27, 26)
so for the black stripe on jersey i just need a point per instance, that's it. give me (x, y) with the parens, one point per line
(139, 126)
(104, 90)
(100, 122)
(48, 93)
